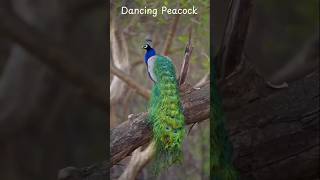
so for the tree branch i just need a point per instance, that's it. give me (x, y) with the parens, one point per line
(135, 132)
(138, 160)
(234, 36)
(120, 57)
(301, 122)
(54, 55)
(203, 80)
(130, 82)
(304, 62)
(170, 35)
(186, 60)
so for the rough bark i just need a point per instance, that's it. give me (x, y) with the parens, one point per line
(277, 136)
(235, 35)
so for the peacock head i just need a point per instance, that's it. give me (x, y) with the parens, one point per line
(146, 47)
(149, 51)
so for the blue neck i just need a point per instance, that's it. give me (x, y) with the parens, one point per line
(150, 52)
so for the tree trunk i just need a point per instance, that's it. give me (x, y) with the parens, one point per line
(277, 136)
(41, 114)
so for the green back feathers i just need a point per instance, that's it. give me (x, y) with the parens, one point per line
(166, 116)
(221, 148)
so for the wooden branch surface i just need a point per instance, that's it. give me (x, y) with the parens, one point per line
(278, 133)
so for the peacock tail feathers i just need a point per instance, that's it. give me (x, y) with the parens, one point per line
(166, 115)
(221, 148)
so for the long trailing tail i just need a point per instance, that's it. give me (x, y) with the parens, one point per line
(221, 148)
(166, 115)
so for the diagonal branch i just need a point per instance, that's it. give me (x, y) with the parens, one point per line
(52, 54)
(138, 160)
(135, 132)
(234, 36)
(130, 82)
(186, 60)
(170, 35)
(303, 62)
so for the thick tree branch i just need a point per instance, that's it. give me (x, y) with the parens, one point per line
(270, 133)
(252, 132)
(135, 132)
(52, 54)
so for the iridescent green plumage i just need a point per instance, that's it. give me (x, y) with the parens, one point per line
(166, 115)
(221, 148)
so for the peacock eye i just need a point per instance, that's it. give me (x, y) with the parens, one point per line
(175, 131)
(145, 46)
(168, 128)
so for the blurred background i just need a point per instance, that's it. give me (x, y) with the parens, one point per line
(169, 36)
(271, 98)
(278, 31)
(53, 67)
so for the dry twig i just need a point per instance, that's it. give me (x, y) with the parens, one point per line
(138, 160)
(186, 60)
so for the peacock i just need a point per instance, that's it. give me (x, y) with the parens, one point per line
(221, 148)
(165, 112)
